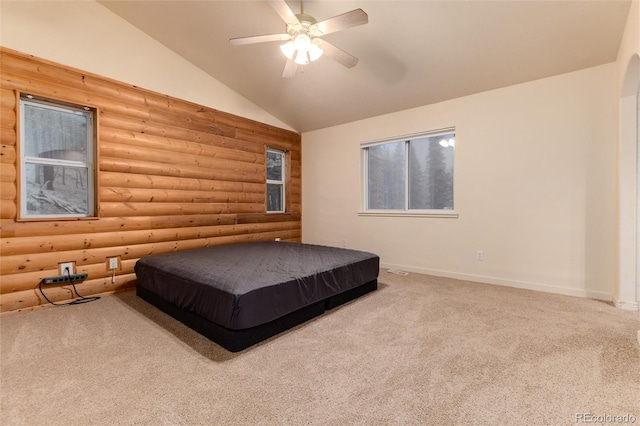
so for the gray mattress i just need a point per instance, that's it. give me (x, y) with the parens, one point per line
(240, 286)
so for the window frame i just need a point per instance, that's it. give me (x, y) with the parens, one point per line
(282, 182)
(91, 113)
(406, 211)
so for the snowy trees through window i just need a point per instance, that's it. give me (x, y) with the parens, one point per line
(410, 174)
(56, 159)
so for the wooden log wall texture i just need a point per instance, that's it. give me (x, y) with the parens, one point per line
(171, 175)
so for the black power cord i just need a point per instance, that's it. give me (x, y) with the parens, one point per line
(81, 299)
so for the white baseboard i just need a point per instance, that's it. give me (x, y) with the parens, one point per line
(598, 295)
(625, 304)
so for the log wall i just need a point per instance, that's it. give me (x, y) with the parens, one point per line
(171, 175)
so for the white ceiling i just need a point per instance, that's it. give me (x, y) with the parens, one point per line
(411, 53)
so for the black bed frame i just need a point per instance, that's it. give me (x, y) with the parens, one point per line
(237, 340)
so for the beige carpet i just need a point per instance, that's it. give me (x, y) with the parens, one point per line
(420, 350)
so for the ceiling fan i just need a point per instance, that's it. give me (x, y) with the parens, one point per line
(303, 37)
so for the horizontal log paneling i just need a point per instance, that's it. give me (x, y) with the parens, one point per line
(7, 99)
(8, 135)
(25, 281)
(128, 180)
(155, 129)
(43, 261)
(148, 168)
(7, 190)
(8, 154)
(58, 243)
(59, 90)
(109, 209)
(7, 117)
(171, 175)
(39, 70)
(7, 172)
(7, 210)
(268, 217)
(166, 195)
(132, 152)
(11, 228)
(29, 298)
(173, 145)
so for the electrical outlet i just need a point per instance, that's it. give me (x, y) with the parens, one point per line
(479, 255)
(113, 263)
(67, 265)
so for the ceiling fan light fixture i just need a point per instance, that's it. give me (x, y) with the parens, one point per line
(288, 49)
(314, 51)
(302, 42)
(303, 36)
(302, 58)
(302, 48)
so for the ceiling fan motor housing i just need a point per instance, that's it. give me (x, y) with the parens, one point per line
(306, 26)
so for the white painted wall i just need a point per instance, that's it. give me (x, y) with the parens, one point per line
(88, 36)
(628, 77)
(535, 186)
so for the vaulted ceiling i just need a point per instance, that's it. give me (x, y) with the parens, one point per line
(411, 53)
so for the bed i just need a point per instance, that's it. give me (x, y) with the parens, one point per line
(240, 294)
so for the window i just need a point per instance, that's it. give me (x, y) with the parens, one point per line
(275, 181)
(56, 159)
(410, 175)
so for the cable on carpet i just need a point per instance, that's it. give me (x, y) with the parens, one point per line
(79, 300)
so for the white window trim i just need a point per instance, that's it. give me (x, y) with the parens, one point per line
(406, 212)
(278, 182)
(89, 165)
(412, 213)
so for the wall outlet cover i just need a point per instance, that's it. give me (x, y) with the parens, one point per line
(113, 263)
(65, 265)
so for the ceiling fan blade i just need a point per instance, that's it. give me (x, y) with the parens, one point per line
(337, 54)
(290, 68)
(285, 12)
(346, 20)
(259, 39)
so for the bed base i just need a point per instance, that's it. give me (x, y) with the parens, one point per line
(238, 340)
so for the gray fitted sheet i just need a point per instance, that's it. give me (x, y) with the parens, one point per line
(240, 286)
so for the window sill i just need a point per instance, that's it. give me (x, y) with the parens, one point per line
(52, 219)
(431, 213)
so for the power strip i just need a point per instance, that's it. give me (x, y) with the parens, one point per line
(64, 279)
